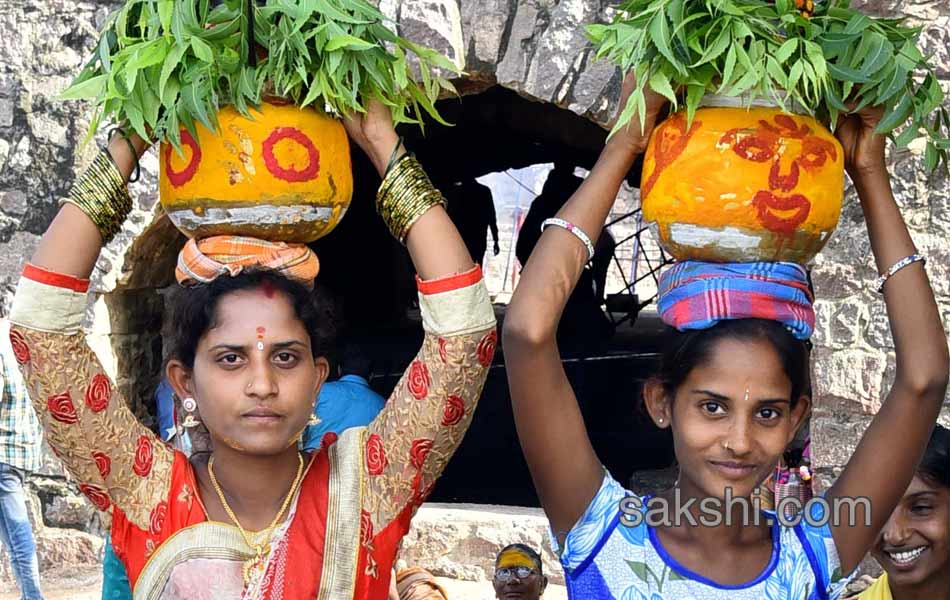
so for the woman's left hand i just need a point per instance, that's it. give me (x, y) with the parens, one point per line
(863, 148)
(374, 132)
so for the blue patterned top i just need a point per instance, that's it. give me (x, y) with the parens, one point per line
(605, 559)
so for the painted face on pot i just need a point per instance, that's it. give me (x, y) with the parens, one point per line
(914, 545)
(732, 419)
(254, 378)
(743, 185)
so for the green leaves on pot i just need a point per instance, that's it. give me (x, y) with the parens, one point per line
(836, 60)
(163, 65)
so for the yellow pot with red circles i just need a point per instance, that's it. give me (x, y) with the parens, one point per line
(282, 175)
(742, 185)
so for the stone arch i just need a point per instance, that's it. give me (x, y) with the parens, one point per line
(520, 59)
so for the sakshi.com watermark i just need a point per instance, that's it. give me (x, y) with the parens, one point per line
(743, 510)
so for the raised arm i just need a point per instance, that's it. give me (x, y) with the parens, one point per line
(411, 441)
(884, 462)
(116, 460)
(564, 467)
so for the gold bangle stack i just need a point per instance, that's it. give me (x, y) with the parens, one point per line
(405, 195)
(101, 194)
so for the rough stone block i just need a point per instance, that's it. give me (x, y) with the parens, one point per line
(71, 512)
(461, 540)
(852, 374)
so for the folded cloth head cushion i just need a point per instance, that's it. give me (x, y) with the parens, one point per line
(697, 295)
(415, 583)
(203, 261)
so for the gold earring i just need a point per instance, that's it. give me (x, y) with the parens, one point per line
(314, 420)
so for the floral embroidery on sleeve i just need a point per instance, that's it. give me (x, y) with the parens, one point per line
(90, 428)
(423, 423)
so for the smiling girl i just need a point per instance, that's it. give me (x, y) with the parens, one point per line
(256, 518)
(914, 546)
(733, 392)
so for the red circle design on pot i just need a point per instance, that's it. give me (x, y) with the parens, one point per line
(294, 175)
(180, 178)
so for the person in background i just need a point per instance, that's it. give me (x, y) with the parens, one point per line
(415, 583)
(472, 210)
(20, 437)
(165, 411)
(345, 403)
(914, 546)
(583, 326)
(519, 574)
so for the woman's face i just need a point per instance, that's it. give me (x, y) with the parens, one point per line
(731, 418)
(255, 379)
(914, 545)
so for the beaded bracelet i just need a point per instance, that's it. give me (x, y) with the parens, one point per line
(904, 262)
(101, 194)
(405, 195)
(578, 233)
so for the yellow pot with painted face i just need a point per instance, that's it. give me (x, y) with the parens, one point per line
(743, 185)
(283, 175)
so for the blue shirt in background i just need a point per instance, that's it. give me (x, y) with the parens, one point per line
(342, 404)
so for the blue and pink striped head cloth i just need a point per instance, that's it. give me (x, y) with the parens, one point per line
(697, 295)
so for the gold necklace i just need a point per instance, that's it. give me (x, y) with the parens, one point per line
(260, 550)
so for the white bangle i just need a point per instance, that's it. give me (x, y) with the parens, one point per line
(578, 233)
(909, 260)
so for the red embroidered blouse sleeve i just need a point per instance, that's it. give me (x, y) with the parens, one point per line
(116, 460)
(409, 444)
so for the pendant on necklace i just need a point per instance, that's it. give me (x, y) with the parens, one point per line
(254, 567)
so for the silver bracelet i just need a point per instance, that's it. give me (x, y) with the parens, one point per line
(909, 260)
(578, 233)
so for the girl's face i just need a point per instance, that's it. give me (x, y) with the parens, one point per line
(731, 418)
(255, 379)
(914, 545)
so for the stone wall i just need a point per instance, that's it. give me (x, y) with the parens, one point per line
(854, 353)
(535, 47)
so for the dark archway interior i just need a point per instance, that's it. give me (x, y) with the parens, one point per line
(370, 274)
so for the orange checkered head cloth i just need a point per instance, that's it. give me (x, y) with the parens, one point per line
(203, 261)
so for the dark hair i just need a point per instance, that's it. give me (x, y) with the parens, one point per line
(934, 467)
(684, 351)
(527, 550)
(192, 311)
(355, 362)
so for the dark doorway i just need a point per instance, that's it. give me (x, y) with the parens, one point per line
(370, 274)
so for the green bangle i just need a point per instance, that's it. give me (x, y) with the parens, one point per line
(125, 136)
(392, 157)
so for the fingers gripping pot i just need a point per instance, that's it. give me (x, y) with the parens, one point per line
(283, 175)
